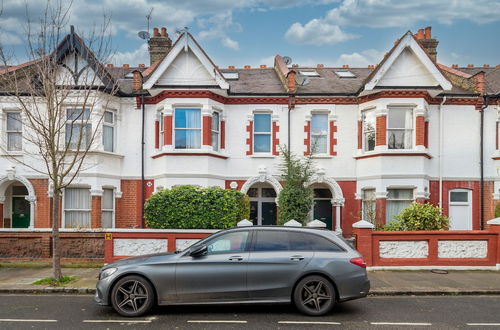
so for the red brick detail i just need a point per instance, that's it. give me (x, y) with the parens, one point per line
(381, 131)
(96, 212)
(360, 134)
(157, 134)
(207, 130)
(128, 207)
(276, 141)
(307, 140)
(364, 244)
(1, 215)
(380, 206)
(351, 209)
(426, 134)
(223, 134)
(496, 135)
(239, 182)
(420, 131)
(421, 200)
(43, 216)
(167, 130)
(138, 102)
(333, 140)
(250, 138)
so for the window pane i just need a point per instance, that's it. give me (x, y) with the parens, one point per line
(298, 242)
(319, 144)
(107, 219)
(108, 138)
(253, 192)
(215, 141)
(400, 118)
(108, 117)
(268, 192)
(14, 141)
(254, 212)
(399, 139)
(322, 193)
(19, 190)
(77, 198)
(271, 240)
(319, 243)
(75, 219)
(215, 121)
(459, 196)
(74, 134)
(262, 143)
(262, 122)
(394, 208)
(400, 193)
(107, 199)
(228, 243)
(187, 139)
(319, 124)
(78, 113)
(14, 121)
(187, 118)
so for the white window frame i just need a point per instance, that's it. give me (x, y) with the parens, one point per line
(327, 114)
(161, 128)
(217, 132)
(174, 128)
(399, 199)
(7, 131)
(406, 130)
(371, 201)
(63, 207)
(84, 122)
(364, 132)
(113, 210)
(270, 133)
(112, 126)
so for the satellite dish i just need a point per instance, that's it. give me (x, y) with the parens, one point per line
(301, 80)
(287, 60)
(144, 35)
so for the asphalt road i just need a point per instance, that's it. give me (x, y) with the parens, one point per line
(401, 312)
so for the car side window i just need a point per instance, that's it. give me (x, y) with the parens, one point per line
(271, 240)
(228, 243)
(319, 243)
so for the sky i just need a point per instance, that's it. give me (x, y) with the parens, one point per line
(252, 32)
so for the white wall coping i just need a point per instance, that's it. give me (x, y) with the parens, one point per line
(109, 230)
(495, 221)
(363, 224)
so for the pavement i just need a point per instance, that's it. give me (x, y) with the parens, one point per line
(18, 280)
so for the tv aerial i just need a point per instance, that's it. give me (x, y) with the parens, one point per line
(287, 60)
(301, 79)
(144, 35)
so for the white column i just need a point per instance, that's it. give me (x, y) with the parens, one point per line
(338, 228)
(32, 200)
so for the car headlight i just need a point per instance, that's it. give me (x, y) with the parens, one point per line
(107, 272)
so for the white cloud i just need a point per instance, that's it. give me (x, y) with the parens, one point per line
(218, 26)
(362, 59)
(317, 32)
(229, 43)
(138, 56)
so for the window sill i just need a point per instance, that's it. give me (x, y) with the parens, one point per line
(393, 153)
(103, 153)
(323, 156)
(263, 155)
(12, 154)
(189, 152)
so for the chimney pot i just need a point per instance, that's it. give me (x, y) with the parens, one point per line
(454, 66)
(420, 34)
(345, 66)
(320, 66)
(231, 67)
(126, 65)
(155, 32)
(263, 66)
(137, 80)
(486, 65)
(428, 34)
(159, 45)
(142, 65)
(164, 32)
(470, 65)
(247, 67)
(497, 66)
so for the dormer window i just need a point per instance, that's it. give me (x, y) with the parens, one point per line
(344, 74)
(309, 73)
(231, 75)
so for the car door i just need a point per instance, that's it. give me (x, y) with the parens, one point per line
(220, 275)
(277, 259)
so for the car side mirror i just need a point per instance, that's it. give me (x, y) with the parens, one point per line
(198, 251)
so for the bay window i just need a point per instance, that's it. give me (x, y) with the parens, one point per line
(368, 118)
(78, 128)
(369, 205)
(400, 128)
(319, 133)
(14, 131)
(215, 131)
(397, 201)
(187, 128)
(77, 207)
(108, 208)
(262, 133)
(108, 131)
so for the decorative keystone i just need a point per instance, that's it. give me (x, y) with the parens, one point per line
(245, 223)
(363, 224)
(293, 223)
(316, 224)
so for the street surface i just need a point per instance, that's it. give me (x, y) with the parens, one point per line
(397, 312)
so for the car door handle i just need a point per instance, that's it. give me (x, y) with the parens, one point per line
(296, 258)
(236, 258)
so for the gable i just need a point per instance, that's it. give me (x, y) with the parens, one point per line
(75, 70)
(186, 69)
(408, 70)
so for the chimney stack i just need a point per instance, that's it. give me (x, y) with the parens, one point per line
(424, 36)
(159, 44)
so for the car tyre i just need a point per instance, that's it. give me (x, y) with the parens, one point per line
(314, 295)
(132, 296)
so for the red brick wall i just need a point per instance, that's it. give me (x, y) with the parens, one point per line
(351, 209)
(420, 131)
(167, 130)
(307, 140)
(426, 134)
(1, 214)
(157, 134)
(207, 130)
(380, 205)
(126, 206)
(333, 140)
(43, 203)
(360, 134)
(250, 138)
(381, 131)
(96, 212)
(276, 141)
(223, 134)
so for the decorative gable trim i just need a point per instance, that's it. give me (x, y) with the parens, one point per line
(184, 43)
(408, 41)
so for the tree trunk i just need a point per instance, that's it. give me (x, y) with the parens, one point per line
(56, 258)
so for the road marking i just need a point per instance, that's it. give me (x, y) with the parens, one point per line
(309, 322)
(26, 320)
(485, 324)
(216, 321)
(399, 323)
(116, 321)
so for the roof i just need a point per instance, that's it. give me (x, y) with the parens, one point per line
(491, 75)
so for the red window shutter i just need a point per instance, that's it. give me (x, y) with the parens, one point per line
(167, 130)
(276, 141)
(157, 134)
(223, 134)
(333, 140)
(307, 140)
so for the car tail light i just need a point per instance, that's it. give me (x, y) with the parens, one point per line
(358, 262)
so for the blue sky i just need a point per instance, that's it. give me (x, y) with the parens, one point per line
(241, 32)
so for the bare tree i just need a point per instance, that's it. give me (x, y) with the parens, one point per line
(61, 94)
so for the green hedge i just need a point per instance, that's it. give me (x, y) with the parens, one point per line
(418, 217)
(191, 207)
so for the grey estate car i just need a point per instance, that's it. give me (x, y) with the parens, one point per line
(312, 268)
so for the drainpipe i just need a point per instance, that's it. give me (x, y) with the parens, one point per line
(291, 106)
(481, 161)
(441, 154)
(143, 197)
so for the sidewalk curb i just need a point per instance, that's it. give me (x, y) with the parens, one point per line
(49, 291)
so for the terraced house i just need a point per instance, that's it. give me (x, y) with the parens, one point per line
(405, 129)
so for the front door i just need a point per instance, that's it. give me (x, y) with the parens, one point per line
(262, 205)
(20, 212)
(323, 212)
(460, 209)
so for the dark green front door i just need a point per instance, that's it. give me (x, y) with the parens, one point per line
(323, 212)
(268, 213)
(20, 212)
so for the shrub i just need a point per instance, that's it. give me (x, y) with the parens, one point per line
(497, 210)
(189, 207)
(418, 217)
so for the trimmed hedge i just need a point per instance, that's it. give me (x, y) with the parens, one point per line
(418, 217)
(191, 207)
